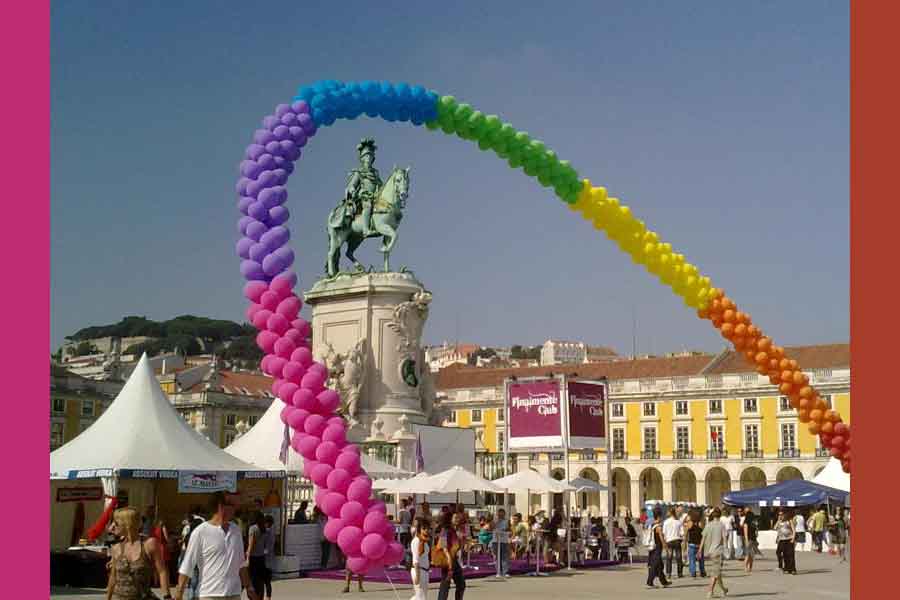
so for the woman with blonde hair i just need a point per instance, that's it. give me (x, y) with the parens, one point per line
(133, 561)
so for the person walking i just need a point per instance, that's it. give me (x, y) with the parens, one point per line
(300, 514)
(817, 525)
(448, 546)
(728, 527)
(694, 539)
(673, 530)
(737, 529)
(217, 548)
(751, 529)
(270, 555)
(799, 529)
(712, 547)
(134, 560)
(256, 554)
(404, 519)
(420, 546)
(324, 545)
(501, 534)
(785, 537)
(656, 545)
(838, 531)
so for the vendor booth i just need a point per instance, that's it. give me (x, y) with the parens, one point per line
(142, 454)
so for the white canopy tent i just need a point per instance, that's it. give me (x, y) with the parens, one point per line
(457, 479)
(413, 485)
(833, 476)
(583, 484)
(530, 481)
(262, 446)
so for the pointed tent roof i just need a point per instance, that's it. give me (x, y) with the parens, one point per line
(833, 476)
(262, 444)
(529, 480)
(141, 431)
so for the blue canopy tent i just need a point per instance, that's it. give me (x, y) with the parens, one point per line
(795, 492)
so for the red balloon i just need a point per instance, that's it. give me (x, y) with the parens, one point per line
(837, 441)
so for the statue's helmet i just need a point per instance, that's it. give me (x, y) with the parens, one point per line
(367, 146)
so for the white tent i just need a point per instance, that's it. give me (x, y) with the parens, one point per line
(833, 476)
(262, 446)
(141, 431)
(530, 481)
(413, 485)
(583, 484)
(457, 479)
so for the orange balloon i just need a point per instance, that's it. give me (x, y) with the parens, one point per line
(747, 319)
(762, 359)
(740, 317)
(717, 292)
(727, 330)
(728, 316)
(806, 392)
(799, 378)
(797, 402)
(816, 415)
(827, 427)
(778, 352)
(727, 303)
(763, 344)
(750, 355)
(785, 388)
(762, 370)
(784, 364)
(794, 364)
(803, 415)
(740, 329)
(804, 403)
(787, 376)
(739, 342)
(717, 322)
(774, 378)
(821, 404)
(831, 415)
(703, 313)
(715, 305)
(753, 330)
(814, 428)
(773, 365)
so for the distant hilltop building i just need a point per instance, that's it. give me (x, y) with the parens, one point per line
(558, 352)
(446, 354)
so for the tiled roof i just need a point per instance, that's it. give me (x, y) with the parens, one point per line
(232, 382)
(460, 376)
(824, 356)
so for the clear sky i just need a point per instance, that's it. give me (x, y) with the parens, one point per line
(725, 126)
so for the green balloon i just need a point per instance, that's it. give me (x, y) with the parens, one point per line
(432, 125)
(514, 162)
(544, 178)
(484, 144)
(447, 101)
(522, 138)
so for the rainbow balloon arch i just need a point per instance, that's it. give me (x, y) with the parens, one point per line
(357, 523)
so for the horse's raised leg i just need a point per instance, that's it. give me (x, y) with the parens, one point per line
(389, 237)
(353, 243)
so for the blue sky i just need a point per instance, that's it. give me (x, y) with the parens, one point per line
(725, 126)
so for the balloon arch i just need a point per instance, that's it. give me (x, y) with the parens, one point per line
(357, 523)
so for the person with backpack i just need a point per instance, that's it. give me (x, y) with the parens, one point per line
(656, 545)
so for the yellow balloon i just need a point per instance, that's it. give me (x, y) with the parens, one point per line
(651, 237)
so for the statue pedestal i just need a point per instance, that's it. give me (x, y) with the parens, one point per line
(376, 314)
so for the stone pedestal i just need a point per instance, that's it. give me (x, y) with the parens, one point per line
(373, 322)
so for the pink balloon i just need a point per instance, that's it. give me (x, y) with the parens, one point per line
(332, 528)
(394, 554)
(286, 413)
(338, 480)
(261, 318)
(373, 523)
(349, 461)
(296, 418)
(359, 565)
(281, 286)
(289, 307)
(353, 513)
(264, 363)
(332, 504)
(286, 391)
(314, 425)
(254, 289)
(349, 540)
(373, 546)
(353, 448)
(307, 446)
(252, 310)
(269, 300)
(319, 497)
(319, 368)
(336, 420)
(302, 356)
(308, 466)
(379, 506)
(311, 380)
(266, 340)
(327, 452)
(329, 400)
(302, 326)
(283, 347)
(276, 365)
(336, 434)
(358, 490)
(304, 399)
(276, 385)
(292, 371)
(388, 532)
(320, 474)
(278, 324)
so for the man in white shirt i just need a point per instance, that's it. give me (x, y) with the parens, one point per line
(217, 549)
(673, 531)
(727, 527)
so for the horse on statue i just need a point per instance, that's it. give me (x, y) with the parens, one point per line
(387, 212)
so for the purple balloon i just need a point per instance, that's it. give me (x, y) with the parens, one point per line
(293, 155)
(298, 135)
(286, 146)
(263, 136)
(281, 132)
(308, 125)
(282, 109)
(243, 247)
(276, 237)
(257, 251)
(244, 203)
(291, 278)
(289, 119)
(270, 121)
(250, 169)
(243, 222)
(286, 255)
(273, 265)
(274, 148)
(269, 197)
(241, 187)
(266, 161)
(254, 151)
(281, 176)
(253, 188)
(278, 215)
(256, 230)
(267, 178)
(300, 106)
(258, 211)
(252, 270)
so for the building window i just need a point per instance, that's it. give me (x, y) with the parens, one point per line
(649, 409)
(750, 405)
(451, 417)
(87, 408)
(501, 441)
(681, 408)
(618, 409)
(476, 415)
(59, 405)
(784, 404)
(649, 439)
(751, 438)
(231, 420)
(501, 415)
(618, 443)
(253, 420)
(716, 438)
(788, 436)
(57, 432)
(682, 441)
(715, 407)
(229, 438)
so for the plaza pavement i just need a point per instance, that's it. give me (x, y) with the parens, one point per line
(820, 576)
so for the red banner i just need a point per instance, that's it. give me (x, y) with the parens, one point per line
(587, 415)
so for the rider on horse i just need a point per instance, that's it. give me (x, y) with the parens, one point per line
(363, 185)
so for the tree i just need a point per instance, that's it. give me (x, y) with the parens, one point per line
(83, 349)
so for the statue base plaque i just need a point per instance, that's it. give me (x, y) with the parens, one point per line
(367, 329)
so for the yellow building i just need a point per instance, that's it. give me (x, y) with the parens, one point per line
(687, 428)
(75, 403)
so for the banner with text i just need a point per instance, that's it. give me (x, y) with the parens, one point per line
(534, 411)
(200, 482)
(587, 415)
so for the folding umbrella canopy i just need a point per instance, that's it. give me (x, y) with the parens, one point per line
(529, 480)
(457, 479)
(413, 485)
(583, 484)
(795, 492)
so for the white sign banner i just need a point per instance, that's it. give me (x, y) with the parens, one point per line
(199, 482)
